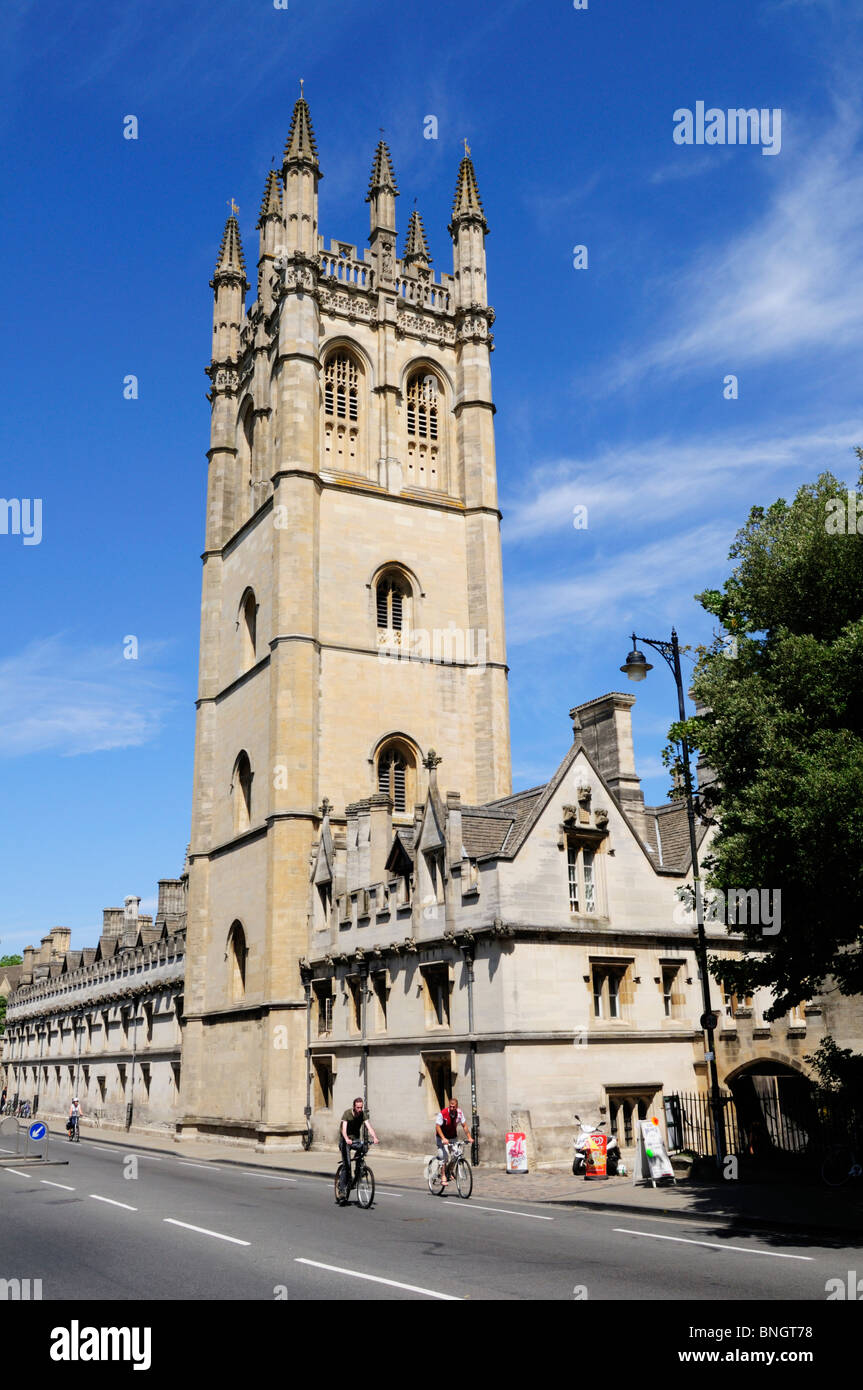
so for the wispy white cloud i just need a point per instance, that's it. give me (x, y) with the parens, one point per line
(56, 696)
(687, 166)
(608, 594)
(790, 281)
(661, 479)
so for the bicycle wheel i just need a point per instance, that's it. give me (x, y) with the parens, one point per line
(836, 1168)
(435, 1178)
(366, 1187)
(341, 1186)
(463, 1178)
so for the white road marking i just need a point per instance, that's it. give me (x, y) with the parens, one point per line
(375, 1279)
(475, 1206)
(202, 1230)
(270, 1176)
(184, 1163)
(65, 1186)
(17, 1174)
(7, 1151)
(713, 1245)
(111, 1202)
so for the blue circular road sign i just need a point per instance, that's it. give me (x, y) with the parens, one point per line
(37, 1132)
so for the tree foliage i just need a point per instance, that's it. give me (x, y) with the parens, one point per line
(782, 731)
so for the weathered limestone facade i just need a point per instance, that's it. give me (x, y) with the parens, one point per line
(104, 1023)
(523, 952)
(352, 611)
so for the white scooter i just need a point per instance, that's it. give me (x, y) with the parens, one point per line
(581, 1144)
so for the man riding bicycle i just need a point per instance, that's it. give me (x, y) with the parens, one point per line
(446, 1131)
(351, 1130)
(75, 1117)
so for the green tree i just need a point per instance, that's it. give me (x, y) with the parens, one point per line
(782, 729)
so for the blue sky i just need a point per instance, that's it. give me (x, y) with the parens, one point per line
(702, 261)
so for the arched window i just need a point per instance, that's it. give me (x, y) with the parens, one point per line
(396, 774)
(248, 625)
(241, 793)
(236, 958)
(244, 442)
(342, 412)
(392, 602)
(423, 459)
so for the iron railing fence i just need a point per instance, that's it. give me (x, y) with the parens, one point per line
(791, 1119)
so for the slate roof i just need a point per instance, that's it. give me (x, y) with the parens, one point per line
(668, 836)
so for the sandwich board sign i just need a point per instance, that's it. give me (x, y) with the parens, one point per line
(651, 1156)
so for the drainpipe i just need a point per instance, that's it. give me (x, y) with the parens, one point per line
(363, 967)
(130, 1108)
(467, 946)
(306, 977)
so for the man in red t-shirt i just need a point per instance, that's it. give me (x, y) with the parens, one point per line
(446, 1130)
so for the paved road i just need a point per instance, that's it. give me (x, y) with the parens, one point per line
(164, 1227)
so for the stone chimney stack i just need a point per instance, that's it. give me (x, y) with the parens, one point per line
(45, 950)
(172, 903)
(112, 921)
(604, 727)
(380, 835)
(61, 941)
(131, 921)
(26, 976)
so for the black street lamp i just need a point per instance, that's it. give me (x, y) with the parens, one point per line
(636, 668)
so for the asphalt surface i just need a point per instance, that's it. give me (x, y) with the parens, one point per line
(127, 1224)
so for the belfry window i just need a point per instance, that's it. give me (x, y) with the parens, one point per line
(423, 426)
(391, 595)
(341, 411)
(392, 775)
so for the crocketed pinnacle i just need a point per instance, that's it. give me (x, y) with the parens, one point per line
(301, 147)
(467, 200)
(271, 204)
(231, 261)
(383, 177)
(416, 246)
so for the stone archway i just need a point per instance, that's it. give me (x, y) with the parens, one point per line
(774, 1106)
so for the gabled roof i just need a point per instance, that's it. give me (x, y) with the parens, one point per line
(11, 973)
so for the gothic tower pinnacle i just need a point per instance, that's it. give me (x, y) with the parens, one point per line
(381, 198)
(300, 175)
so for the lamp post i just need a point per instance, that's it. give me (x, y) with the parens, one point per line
(636, 668)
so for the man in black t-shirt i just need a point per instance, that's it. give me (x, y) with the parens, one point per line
(351, 1128)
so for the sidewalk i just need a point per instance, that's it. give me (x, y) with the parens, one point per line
(807, 1208)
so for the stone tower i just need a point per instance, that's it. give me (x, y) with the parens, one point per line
(352, 609)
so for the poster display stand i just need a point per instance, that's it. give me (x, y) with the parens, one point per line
(652, 1163)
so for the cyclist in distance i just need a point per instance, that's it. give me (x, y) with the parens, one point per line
(351, 1128)
(446, 1130)
(75, 1117)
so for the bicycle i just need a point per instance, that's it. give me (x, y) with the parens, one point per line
(457, 1166)
(363, 1178)
(840, 1165)
(73, 1124)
